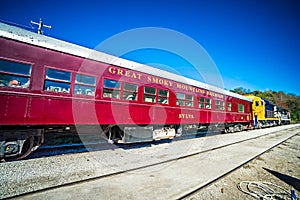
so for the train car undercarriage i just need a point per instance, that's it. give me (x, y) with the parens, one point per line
(16, 144)
(19, 143)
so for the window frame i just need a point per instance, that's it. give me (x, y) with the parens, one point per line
(180, 99)
(57, 81)
(27, 85)
(114, 90)
(219, 105)
(159, 96)
(241, 110)
(84, 84)
(135, 93)
(184, 101)
(189, 101)
(149, 95)
(205, 103)
(229, 108)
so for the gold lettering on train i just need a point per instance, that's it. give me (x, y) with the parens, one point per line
(123, 72)
(189, 88)
(209, 93)
(152, 79)
(161, 81)
(186, 116)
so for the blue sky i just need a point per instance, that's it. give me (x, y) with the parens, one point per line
(255, 44)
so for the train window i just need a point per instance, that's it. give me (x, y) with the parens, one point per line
(130, 91)
(256, 103)
(54, 86)
(84, 79)
(241, 108)
(208, 103)
(229, 106)
(59, 75)
(220, 105)
(111, 89)
(84, 85)
(201, 102)
(163, 96)
(149, 94)
(13, 74)
(180, 99)
(57, 81)
(189, 101)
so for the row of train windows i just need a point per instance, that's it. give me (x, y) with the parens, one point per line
(60, 81)
(14, 74)
(112, 89)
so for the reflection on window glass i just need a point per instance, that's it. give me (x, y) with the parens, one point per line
(180, 96)
(189, 101)
(163, 100)
(111, 89)
(164, 93)
(150, 94)
(222, 106)
(229, 106)
(208, 103)
(163, 96)
(58, 75)
(149, 98)
(57, 81)
(241, 108)
(217, 105)
(189, 97)
(15, 68)
(150, 90)
(130, 87)
(111, 84)
(108, 93)
(85, 85)
(90, 80)
(129, 96)
(14, 81)
(84, 90)
(180, 99)
(13, 74)
(201, 102)
(130, 92)
(54, 86)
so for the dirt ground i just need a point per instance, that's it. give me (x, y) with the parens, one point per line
(279, 166)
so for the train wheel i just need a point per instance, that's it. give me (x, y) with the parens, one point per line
(27, 148)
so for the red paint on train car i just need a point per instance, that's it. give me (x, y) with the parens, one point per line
(35, 106)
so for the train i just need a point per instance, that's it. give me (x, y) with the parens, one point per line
(50, 85)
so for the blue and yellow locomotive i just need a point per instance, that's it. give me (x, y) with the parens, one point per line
(265, 113)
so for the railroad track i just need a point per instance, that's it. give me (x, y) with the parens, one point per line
(163, 166)
(196, 190)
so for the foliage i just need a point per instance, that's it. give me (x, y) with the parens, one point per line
(289, 101)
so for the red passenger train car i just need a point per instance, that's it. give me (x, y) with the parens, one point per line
(47, 84)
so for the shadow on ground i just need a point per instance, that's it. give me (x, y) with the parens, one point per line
(292, 181)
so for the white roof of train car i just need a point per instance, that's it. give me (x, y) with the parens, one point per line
(15, 33)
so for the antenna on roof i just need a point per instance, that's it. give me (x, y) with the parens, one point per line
(41, 25)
